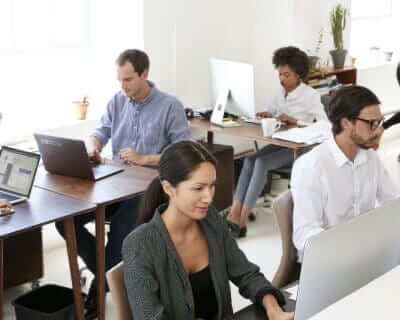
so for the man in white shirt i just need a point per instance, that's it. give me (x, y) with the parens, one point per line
(343, 177)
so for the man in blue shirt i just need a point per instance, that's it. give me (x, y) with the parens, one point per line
(141, 122)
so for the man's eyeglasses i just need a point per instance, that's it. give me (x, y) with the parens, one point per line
(373, 123)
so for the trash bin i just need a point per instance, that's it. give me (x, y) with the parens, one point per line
(49, 302)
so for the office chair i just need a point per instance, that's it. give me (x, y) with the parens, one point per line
(115, 278)
(289, 269)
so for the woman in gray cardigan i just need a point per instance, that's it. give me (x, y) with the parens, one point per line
(179, 261)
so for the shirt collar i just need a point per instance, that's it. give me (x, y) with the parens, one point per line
(150, 97)
(294, 93)
(341, 159)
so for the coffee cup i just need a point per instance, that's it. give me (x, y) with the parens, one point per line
(270, 126)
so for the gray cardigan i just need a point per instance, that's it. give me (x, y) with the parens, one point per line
(158, 286)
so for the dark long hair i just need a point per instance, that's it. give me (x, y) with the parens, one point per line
(176, 165)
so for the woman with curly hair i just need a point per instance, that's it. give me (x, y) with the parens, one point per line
(295, 103)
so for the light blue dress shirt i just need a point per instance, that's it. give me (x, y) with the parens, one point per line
(147, 127)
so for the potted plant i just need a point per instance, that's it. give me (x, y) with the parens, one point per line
(338, 24)
(313, 59)
(81, 108)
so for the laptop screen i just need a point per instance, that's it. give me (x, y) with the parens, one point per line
(17, 170)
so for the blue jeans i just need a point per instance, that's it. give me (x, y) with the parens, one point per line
(122, 217)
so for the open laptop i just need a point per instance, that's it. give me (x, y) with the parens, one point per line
(346, 257)
(69, 157)
(17, 173)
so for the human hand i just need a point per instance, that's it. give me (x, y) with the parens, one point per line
(5, 207)
(280, 315)
(130, 156)
(95, 157)
(285, 118)
(263, 115)
(5, 204)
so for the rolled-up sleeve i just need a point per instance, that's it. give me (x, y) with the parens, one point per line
(307, 197)
(103, 131)
(177, 125)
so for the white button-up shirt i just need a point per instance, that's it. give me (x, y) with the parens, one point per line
(303, 103)
(328, 189)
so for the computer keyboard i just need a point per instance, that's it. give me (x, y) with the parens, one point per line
(255, 121)
(6, 196)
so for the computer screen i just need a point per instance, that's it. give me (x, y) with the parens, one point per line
(238, 78)
(17, 171)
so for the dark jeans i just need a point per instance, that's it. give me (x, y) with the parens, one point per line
(122, 217)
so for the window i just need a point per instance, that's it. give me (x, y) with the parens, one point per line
(373, 29)
(55, 51)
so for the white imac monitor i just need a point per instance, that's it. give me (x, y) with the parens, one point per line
(238, 78)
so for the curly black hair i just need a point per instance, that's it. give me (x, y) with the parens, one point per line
(295, 58)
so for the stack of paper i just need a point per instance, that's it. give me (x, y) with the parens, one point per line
(315, 133)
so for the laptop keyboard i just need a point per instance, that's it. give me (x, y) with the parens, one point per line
(8, 197)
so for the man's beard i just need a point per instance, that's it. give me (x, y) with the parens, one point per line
(363, 144)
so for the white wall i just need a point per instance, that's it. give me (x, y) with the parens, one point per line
(180, 36)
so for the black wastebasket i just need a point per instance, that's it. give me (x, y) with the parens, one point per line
(49, 302)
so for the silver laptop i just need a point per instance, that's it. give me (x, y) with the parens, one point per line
(346, 257)
(69, 157)
(17, 173)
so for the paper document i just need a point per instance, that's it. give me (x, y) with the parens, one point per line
(314, 133)
(293, 292)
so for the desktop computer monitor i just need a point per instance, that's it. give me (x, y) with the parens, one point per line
(238, 78)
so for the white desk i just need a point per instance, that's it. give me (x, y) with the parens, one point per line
(376, 300)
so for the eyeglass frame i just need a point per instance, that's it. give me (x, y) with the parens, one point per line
(373, 123)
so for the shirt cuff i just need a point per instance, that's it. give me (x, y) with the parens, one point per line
(274, 291)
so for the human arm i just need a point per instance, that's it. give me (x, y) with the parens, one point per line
(95, 153)
(387, 189)
(5, 207)
(307, 194)
(102, 133)
(130, 156)
(273, 309)
(245, 275)
(263, 114)
(142, 286)
(5, 204)
(287, 119)
(176, 126)
(316, 108)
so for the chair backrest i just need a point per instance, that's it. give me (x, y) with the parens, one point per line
(115, 278)
(398, 73)
(289, 269)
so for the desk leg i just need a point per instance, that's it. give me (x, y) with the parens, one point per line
(297, 153)
(100, 254)
(210, 137)
(1, 278)
(73, 266)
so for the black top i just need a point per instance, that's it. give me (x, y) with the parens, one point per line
(205, 300)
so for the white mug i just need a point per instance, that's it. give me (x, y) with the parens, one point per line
(270, 126)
